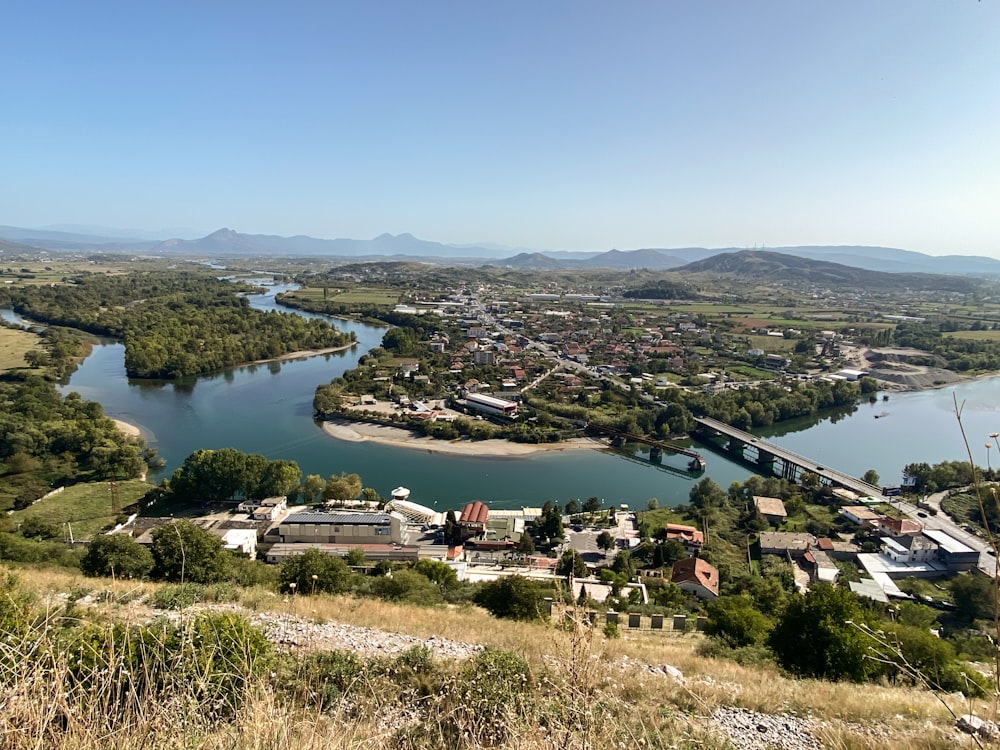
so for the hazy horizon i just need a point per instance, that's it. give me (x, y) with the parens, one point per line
(570, 125)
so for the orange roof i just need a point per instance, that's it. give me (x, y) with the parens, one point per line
(474, 512)
(696, 570)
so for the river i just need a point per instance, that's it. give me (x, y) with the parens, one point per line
(267, 409)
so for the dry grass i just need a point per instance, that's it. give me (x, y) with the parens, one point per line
(593, 692)
(14, 344)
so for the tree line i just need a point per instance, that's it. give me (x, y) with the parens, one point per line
(175, 324)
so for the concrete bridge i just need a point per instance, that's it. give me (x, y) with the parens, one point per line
(774, 459)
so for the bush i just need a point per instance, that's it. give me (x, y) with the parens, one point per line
(178, 596)
(314, 571)
(494, 693)
(116, 556)
(512, 597)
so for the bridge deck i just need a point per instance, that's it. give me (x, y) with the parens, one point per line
(835, 477)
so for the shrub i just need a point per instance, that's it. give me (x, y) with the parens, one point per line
(314, 571)
(512, 597)
(116, 555)
(178, 596)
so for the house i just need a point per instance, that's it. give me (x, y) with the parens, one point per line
(771, 508)
(910, 548)
(786, 543)
(474, 518)
(898, 526)
(695, 576)
(692, 539)
(860, 515)
(240, 540)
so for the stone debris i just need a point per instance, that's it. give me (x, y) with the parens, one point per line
(298, 632)
(752, 730)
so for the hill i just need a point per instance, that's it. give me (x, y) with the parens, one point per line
(760, 265)
(247, 669)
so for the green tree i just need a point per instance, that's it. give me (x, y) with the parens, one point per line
(312, 488)
(973, 596)
(735, 622)
(513, 598)
(605, 541)
(343, 488)
(871, 476)
(818, 635)
(117, 556)
(592, 505)
(571, 564)
(407, 586)
(183, 552)
(315, 571)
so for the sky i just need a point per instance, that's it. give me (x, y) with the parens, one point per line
(560, 124)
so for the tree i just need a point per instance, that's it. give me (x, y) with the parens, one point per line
(116, 555)
(605, 541)
(343, 488)
(184, 552)
(735, 622)
(571, 564)
(314, 571)
(652, 504)
(572, 507)
(592, 505)
(312, 488)
(819, 635)
(871, 476)
(973, 596)
(407, 586)
(512, 597)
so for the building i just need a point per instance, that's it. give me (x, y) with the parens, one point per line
(771, 508)
(473, 519)
(692, 539)
(695, 576)
(953, 553)
(342, 528)
(910, 548)
(860, 514)
(490, 405)
(240, 540)
(898, 526)
(786, 543)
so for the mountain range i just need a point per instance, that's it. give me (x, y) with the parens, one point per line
(227, 242)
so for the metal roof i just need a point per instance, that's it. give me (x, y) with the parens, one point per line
(341, 519)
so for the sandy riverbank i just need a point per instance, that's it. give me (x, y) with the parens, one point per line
(359, 432)
(304, 354)
(127, 429)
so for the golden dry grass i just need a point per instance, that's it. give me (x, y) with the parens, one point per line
(14, 344)
(581, 668)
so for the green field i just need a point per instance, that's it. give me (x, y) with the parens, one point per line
(361, 296)
(14, 344)
(86, 506)
(771, 343)
(975, 335)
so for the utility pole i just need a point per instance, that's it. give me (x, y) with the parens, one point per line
(116, 504)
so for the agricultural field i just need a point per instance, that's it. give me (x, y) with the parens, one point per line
(771, 343)
(14, 344)
(975, 335)
(358, 296)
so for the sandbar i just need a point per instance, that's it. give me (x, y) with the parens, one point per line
(359, 432)
(130, 430)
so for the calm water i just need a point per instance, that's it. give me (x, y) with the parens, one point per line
(267, 409)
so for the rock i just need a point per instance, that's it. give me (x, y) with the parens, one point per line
(970, 724)
(673, 673)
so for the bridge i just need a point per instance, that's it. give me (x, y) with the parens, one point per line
(765, 455)
(656, 447)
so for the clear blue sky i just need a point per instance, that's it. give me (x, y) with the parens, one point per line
(546, 123)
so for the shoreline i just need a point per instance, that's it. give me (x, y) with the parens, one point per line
(303, 354)
(126, 428)
(398, 437)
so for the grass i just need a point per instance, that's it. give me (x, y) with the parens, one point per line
(86, 506)
(975, 335)
(587, 692)
(14, 344)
